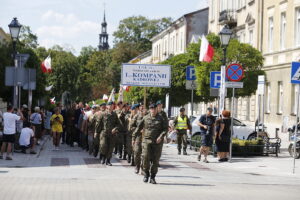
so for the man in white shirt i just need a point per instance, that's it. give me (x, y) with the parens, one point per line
(27, 139)
(9, 131)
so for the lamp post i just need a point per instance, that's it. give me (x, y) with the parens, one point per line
(225, 36)
(14, 28)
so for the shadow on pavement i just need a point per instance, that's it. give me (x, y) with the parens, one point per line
(187, 184)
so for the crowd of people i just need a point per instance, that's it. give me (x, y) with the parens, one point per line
(131, 132)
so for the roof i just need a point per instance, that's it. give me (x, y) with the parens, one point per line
(177, 21)
(4, 34)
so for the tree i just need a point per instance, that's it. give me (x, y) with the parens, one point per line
(139, 30)
(244, 54)
(27, 38)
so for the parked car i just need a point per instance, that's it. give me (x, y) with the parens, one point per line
(240, 130)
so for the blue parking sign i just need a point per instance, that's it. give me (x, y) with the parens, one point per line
(295, 73)
(190, 73)
(215, 79)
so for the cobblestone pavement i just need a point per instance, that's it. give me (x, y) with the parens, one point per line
(71, 173)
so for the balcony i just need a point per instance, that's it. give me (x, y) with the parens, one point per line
(228, 17)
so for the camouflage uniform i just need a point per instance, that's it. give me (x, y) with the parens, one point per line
(96, 141)
(121, 136)
(105, 124)
(91, 123)
(154, 128)
(163, 114)
(137, 139)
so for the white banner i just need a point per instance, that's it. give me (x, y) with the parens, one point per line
(146, 75)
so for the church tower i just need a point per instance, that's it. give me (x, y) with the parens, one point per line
(103, 36)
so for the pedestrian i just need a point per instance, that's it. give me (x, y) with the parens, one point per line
(182, 124)
(9, 121)
(107, 125)
(78, 112)
(47, 123)
(163, 114)
(57, 129)
(36, 121)
(70, 125)
(27, 140)
(223, 135)
(206, 123)
(154, 132)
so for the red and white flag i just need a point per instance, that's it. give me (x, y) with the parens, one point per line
(126, 88)
(206, 51)
(52, 101)
(46, 65)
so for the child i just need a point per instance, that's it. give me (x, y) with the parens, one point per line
(57, 129)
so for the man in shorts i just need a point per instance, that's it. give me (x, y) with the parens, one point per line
(9, 131)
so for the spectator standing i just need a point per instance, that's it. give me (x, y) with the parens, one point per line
(206, 123)
(9, 119)
(47, 123)
(27, 139)
(223, 134)
(57, 129)
(36, 121)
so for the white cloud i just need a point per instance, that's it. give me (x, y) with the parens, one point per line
(67, 29)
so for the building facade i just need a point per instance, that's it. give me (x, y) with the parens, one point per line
(175, 39)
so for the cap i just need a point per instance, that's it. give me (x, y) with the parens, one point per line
(153, 105)
(103, 104)
(25, 106)
(110, 103)
(158, 102)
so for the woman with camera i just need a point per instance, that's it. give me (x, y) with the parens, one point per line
(57, 129)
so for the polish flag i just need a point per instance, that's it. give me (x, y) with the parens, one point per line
(52, 101)
(105, 97)
(126, 88)
(46, 65)
(206, 51)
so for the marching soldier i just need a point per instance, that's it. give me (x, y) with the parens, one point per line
(97, 135)
(131, 128)
(107, 125)
(154, 132)
(182, 124)
(166, 121)
(120, 145)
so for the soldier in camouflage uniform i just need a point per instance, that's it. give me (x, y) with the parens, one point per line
(120, 145)
(91, 122)
(163, 114)
(131, 128)
(97, 135)
(154, 131)
(107, 125)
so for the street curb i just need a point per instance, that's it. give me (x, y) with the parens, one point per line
(42, 147)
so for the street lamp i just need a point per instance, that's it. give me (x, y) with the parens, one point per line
(14, 28)
(225, 36)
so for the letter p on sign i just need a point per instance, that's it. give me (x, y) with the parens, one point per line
(190, 73)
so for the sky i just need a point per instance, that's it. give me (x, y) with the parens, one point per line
(77, 23)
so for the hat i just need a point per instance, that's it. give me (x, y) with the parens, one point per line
(94, 106)
(158, 102)
(153, 105)
(110, 103)
(103, 104)
(25, 106)
(134, 106)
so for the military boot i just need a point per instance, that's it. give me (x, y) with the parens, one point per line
(179, 152)
(152, 179)
(120, 154)
(124, 156)
(137, 170)
(103, 160)
(129, 158)
(132, 161)
(108, 162)
(146, 177)
(184, 152)
(101, 156)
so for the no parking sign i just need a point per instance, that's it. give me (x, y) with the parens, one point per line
(235, 72)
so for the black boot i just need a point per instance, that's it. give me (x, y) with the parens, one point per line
(101, 156)
(108, 162)
(132, 160)
(179, 152)
(103, 160)
(152, 179)
(137, 170)
(146, 177)
(124, 156)
(184, 152)
(129, 159)
(95, 153)
(120, 154)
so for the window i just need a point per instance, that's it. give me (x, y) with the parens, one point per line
(212, 10)
(251, 37)
(280, 97)
(268, 98)
(295, 93)
(282, 31)
(297, 31)
(271, 33)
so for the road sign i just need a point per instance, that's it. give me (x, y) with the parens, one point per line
(22, 59)
(190, 73)
(190, 85)
(29, 79)
(295, 73)
(215, 79)
(234, 72)
(14, 76)
(234, 84)
(261, 85)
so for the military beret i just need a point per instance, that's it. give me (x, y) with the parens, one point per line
(110, 103)
(153, 105)
(133, 107)
(103, 104)
(158, 102)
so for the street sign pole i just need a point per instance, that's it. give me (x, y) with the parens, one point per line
(296, 129)
(192, 99)
(15, 96)
(222, 90)
(231, 125)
